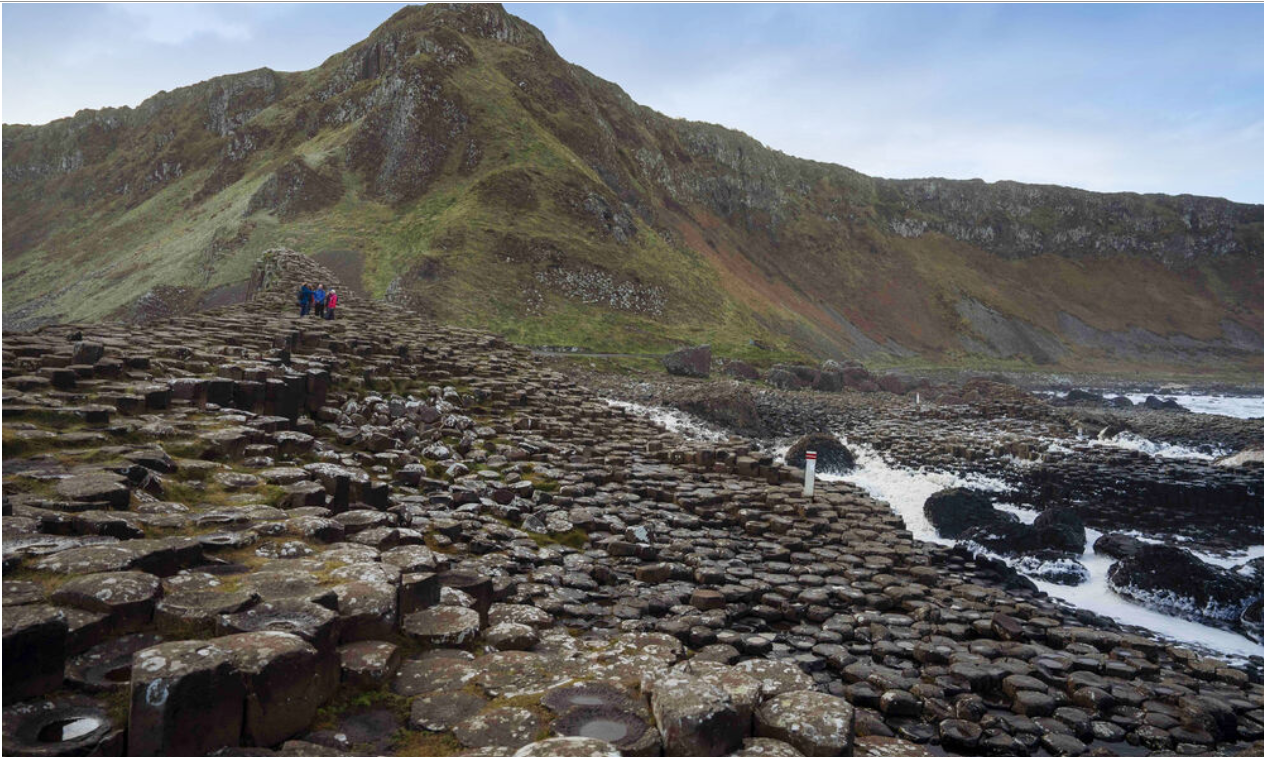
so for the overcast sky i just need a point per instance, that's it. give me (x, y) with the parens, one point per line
(1150, 98)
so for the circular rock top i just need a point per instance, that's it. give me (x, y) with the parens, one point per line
(605, 722)
(445, 625)
(816, 724)
(587, 695)
(69, 726)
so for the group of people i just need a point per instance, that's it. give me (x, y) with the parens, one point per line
(317, 300)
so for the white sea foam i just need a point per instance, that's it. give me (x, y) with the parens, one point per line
(906, 490)
(672, 420)
(1129, 440)
(1213, 404)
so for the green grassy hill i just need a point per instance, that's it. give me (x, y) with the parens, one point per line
(453, 163)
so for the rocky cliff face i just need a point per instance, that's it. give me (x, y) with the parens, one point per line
(453, 162)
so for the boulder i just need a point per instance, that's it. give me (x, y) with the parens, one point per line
(689, 361)
(954, 511)
(1061, 529)
(831, 455)
(1172, 580)
(1117, 545)
(817, 724)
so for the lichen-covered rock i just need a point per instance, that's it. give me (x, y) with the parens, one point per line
(817, 724)
(445, 625)
(126, 597)
(286, 680)
(695, 718)
(569, 746)
(187, 699)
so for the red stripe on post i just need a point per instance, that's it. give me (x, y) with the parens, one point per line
(811, 455)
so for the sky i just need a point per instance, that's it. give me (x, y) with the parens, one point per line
(1146, 98)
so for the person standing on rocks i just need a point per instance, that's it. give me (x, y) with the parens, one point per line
(319, 297)
(304, 300)
(331, 302)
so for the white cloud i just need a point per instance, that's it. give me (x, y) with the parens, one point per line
(173, 24)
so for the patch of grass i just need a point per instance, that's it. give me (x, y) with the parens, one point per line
(576, 538)
(410, 743)
(348, 702)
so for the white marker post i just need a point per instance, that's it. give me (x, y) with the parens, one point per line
(809, 474)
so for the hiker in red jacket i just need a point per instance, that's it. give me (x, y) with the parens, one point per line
(331, 302)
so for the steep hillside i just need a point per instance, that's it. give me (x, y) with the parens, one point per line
(454, 163)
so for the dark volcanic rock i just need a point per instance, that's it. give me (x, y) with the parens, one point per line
(1118, 545)
(954, 511)
(689, 361)
(1172, 580)
(831, 455)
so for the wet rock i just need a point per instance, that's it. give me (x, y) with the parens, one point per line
(628, 732)
(818, 725)
(1172, 580)
(831, 455)
(1117, 545)
(954, 511)
(689, 361)
(68, 726)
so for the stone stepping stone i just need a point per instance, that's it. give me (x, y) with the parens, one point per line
(817, 724)
(501, 726)
(160, 557)
(443, 626)
(432, 674)
(110, 489)
(776, 676)
(126, 597)
(443, 710)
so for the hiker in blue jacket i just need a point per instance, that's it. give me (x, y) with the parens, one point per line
(304, 300)
(319, 297)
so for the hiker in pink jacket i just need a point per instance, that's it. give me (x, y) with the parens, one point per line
(331, 302)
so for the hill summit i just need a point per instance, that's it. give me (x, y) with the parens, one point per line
(453, 164)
